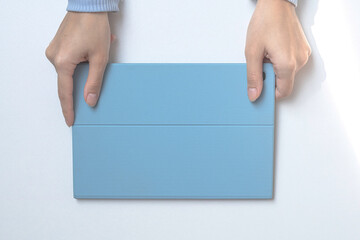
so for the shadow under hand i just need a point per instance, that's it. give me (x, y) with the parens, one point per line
(310, 130)
(309, 79)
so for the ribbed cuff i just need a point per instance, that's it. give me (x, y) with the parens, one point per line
(93, 5)
(294, 2)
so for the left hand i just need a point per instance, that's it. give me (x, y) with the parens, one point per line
(275, 34)
(81, 37)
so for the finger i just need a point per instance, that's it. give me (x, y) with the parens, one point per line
(65, 91)
(284, 80)
(93, 84)
(254, 60)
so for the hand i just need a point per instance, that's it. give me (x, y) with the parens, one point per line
(275, 35)
(81, 37)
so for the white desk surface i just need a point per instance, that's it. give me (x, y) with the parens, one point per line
(317, 175)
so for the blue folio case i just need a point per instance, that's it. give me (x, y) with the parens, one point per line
(174, 131)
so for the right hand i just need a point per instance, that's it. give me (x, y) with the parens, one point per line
(275, 34)
(81, 37)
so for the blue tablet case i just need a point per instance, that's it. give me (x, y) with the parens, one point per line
(174, 131)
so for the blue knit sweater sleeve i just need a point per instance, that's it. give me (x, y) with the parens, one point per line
(93, 5)
(103, 5)
(294, 2)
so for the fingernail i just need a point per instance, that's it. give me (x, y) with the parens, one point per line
(252, 93)
(91, 99)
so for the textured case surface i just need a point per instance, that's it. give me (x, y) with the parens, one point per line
(174, 131)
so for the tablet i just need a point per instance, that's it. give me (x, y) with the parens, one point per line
(174, 131)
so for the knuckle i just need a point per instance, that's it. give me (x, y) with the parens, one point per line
(49, 53)
(302, 59)
(309, 51)
(303, 56)
(60, 61)
(93, 85)
(282, 94)
(289, 64)
(253, 78)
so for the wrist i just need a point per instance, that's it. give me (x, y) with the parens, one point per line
(88, 18)
(88, 15)
(279, 6)
(288, 3)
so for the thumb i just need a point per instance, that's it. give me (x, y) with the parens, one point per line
(94, 81)
(254, 60)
